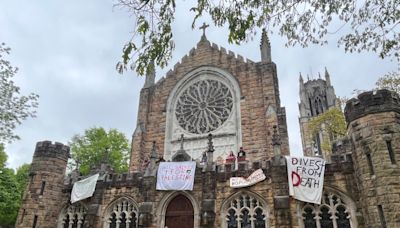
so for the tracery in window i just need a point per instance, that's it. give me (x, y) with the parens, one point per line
(73, 216)
(204, 106)
(332, 213)
(123, 213)
(245, 211)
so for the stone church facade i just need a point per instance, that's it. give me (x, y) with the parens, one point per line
(224, 112)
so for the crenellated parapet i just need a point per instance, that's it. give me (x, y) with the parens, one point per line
(272, 167)
(371, 102)
(49, 149)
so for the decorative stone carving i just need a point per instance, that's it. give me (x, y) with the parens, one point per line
(122, 213)
(72, 216)
(245, 210)
(206, 100)
(333, 212)
(204, 106)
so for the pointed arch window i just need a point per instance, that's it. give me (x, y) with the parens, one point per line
(72, 216)
(244, 210)
(334, 212)
(123, 213)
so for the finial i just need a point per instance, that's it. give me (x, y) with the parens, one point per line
(153, 151)
(150, 76)
(327, 77)
(319, 75)
(210, 144)
(276, 141)
(301, 78)
(204, 27)
(182, 140)
(265, 48)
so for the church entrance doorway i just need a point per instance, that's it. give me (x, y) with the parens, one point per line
(180, 213)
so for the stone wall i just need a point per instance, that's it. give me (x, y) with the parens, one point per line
(43, 197)
(211, 190)
(373, 125)
(258, 88)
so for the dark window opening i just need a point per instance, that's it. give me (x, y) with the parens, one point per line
(42, 188)
(391, 153)
(309, 221)
(34, 221)
(370, 165)
(382, 216)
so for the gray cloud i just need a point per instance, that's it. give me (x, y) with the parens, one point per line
(67, 51)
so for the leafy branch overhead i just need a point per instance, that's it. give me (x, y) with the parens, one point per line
(363, 26)
(14, 108)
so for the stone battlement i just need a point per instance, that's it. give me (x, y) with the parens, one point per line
(274, 167)
(49, 149)
(371, 102)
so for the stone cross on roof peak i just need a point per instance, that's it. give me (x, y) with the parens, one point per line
(204, 27)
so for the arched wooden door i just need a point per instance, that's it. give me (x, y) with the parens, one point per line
(179, 213)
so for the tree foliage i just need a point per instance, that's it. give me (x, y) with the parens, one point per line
(12, 187)
(14, 108)
(97, 145)
(332, 121)
(390, 81)
(366, 25)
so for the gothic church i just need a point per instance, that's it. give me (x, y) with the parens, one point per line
(224, 112)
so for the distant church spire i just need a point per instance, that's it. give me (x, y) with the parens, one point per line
(150, 76)
(327, 78)
(301, 82)
(265, 48)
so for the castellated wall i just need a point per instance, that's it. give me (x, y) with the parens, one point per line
(259, 110)
(44, 192)
(211, 193)
(373, 125)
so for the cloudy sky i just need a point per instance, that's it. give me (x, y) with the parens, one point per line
(67, 50)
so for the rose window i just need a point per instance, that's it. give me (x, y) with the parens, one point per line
(204, 106)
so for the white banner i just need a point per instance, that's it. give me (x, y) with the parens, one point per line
(240, 182)
(176, 175)
(84, 188)
(306, 178)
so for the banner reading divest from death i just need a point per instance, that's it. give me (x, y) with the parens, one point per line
(176, 175)
(306, 178)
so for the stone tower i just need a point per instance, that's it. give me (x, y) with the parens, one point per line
(316, 97)
(42, 201)
(374, 127)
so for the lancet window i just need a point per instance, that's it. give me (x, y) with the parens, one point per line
(123, 213)
(333, 212)
(72, 216)
(245, 211)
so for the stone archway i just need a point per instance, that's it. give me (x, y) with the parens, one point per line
(179, 213)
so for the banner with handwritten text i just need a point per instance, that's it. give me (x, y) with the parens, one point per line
(254, 178)
(306, 178)
(176, 175)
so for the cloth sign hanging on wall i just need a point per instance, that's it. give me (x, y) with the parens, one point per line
(176, 175)
(241, 182)
(84, 188)
(306, 178)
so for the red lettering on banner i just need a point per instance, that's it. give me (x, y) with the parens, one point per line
(294, 174)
